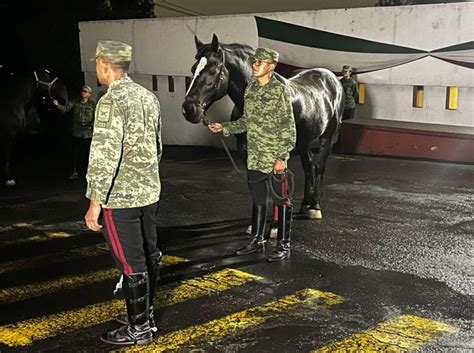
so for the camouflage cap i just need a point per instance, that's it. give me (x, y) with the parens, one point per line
(346, 68)
(87, 89)
(113, 50)
(266, 54)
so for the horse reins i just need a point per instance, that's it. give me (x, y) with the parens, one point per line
(288, 175)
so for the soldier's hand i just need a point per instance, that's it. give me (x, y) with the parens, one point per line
(92, 217)
(279, 166)
(55, 102)
(215, 127)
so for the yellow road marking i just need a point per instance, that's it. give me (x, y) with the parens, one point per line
(38, 238)
(15, 294)
(214, 330)
(28, 264)
(15, 226)
(402, 334)
(56, 235)
(26, 332)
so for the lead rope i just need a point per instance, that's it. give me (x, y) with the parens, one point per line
(270, 177)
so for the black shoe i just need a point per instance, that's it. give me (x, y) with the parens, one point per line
(282, 252)
(129, 335)
(123, 319)
(256, 245)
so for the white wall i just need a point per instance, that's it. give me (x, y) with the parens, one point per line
(166, 47)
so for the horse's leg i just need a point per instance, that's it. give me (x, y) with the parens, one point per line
(306, 156)
(319, 167)
(8, 142)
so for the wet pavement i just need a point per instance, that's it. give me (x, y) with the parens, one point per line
(388, 268)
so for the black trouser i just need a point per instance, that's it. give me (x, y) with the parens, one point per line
(80, 154)
(132, 237)
(259, 185)
(348, 114)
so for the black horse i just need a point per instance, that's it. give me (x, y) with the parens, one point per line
(20, 97)
(317, 98)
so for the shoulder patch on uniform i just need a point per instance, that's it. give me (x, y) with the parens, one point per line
(104, 113)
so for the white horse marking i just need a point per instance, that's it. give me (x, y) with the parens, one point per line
(202, 64)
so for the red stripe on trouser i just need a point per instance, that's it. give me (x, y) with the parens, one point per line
(117, 247)
(284, 187)
(284, 193)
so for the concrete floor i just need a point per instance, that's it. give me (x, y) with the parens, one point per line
(396, 239)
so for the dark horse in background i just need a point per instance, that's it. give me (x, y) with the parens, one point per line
(317, 98)
(21, 96)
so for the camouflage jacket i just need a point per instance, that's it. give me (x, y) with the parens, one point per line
(126, 147)
(351, 91)
(269, 122)
(83, 117)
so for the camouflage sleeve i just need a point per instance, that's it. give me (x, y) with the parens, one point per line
(234, 127)
(355, 91)
(159, 143)
(237, 126)
(67, 107)
(287, 128)
(106, 149)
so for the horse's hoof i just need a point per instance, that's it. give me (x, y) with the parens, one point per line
(249, 230)
(314, 214)
(304, 209)
(10, 182)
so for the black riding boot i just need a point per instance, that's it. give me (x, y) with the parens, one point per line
(136, 287)
(154, 275)
(282, 250)
(259, 215)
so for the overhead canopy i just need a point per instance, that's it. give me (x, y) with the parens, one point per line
(308, 47)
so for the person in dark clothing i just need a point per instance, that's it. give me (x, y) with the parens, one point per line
(351, 91)
(82, 125)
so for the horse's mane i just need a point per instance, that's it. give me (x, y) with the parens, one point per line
(239, 56)
(241, 50)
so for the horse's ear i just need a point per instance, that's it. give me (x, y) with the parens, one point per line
(215, 43)
(199, 44)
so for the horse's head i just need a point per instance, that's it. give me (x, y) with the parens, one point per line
(210, 80)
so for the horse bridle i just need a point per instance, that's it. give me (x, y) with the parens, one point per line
(220, 78)
(48, 85)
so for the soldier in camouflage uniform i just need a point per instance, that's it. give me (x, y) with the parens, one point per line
(271, 135)
(82, 123)
(351, 92)
(123, 180)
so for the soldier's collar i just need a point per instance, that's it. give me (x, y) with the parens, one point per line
(120, 81)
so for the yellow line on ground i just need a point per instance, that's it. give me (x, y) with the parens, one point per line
(18, 293)
(402, 334)
(15, 226)
(214, 330)
(26, 332)
(37, 238)
(27, 264)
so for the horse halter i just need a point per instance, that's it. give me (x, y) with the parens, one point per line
(220, 78)
(48, 85)
(221, 71)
